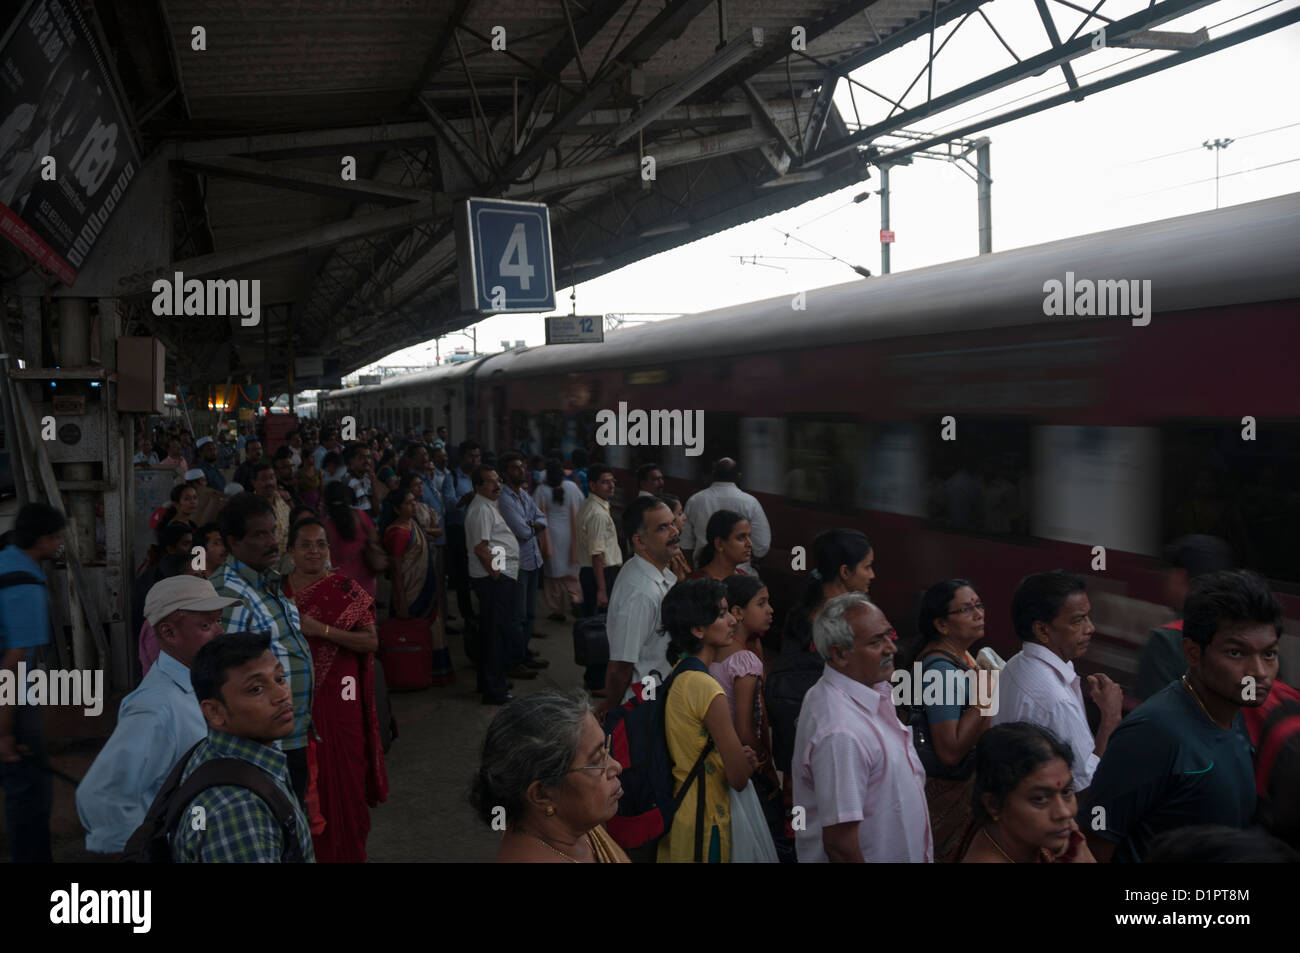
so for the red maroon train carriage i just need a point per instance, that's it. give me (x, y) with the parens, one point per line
(1071, 432)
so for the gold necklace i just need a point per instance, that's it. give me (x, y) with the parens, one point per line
(1188, 685)
(547, 844)
(997, 845)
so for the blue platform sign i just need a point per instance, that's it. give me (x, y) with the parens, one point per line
(505, 256)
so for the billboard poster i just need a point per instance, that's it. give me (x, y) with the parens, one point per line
(67, 155)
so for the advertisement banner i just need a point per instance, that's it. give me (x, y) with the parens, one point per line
(66, 151)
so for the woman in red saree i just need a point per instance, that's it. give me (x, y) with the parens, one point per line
(345, 758)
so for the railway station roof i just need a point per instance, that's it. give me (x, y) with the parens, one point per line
(551, 101)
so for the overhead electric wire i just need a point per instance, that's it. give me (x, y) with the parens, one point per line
(1225, 175)
(1201, 148)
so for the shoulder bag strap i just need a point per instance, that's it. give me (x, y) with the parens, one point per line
(694, 777)
(231, 771)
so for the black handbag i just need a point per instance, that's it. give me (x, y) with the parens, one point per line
(590, 640)
(921, 738)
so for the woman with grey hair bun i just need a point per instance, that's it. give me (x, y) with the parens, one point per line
(547, 772)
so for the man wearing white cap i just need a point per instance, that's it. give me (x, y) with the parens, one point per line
(207, 462)
(158, 722)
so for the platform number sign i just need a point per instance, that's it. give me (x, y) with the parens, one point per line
(505, 256)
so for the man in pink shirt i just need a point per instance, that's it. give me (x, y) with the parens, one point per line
(857, 776)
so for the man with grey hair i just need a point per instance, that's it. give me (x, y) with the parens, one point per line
(856, 774)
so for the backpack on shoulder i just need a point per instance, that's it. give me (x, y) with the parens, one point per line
(151, 842)
(19, 578)
(791, 675)
(639, 742)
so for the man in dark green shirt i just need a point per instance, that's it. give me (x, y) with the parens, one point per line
(1183, 757)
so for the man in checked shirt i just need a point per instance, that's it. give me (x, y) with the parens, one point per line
(248, 527)
(245, 698)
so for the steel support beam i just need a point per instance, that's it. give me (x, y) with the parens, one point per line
(1157, 13)
(901, 37)
(306, 180)
(705, 73)
(313, 239)
(778, 47)
(671, 22)
(768, 120)
(665, 155)
(1055, 38)
(1261, 28)
(282, 145)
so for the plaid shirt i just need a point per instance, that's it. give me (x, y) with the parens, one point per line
(265, 608)
(238, 827)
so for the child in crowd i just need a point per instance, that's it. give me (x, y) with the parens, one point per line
(738, 667)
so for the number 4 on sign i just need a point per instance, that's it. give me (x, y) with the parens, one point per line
(514, 262)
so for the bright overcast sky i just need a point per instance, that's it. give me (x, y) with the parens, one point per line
(1077, 168)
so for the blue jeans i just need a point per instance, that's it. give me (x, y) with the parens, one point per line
(525, 616)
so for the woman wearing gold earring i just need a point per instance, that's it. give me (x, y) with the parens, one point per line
(546, 779)
(1024, 799)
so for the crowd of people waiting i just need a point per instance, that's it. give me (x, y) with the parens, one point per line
(258, 629)
(1207, 767)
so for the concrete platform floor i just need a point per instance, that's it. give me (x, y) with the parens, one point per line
(427, 816)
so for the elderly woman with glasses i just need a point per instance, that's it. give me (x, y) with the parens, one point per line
(950, 622)
(547, 774)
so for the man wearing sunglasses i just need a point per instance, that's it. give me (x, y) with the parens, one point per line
(1050, 612)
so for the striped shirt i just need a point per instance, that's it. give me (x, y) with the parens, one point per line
(238, 827)
(265, 608)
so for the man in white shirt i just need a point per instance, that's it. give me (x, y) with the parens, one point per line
(724, 494)
(649, 480)
(637, 647)
(361, 468)
(158, 722)
(856, 772)
(599, 556)
(493, 555)
(1039, 684)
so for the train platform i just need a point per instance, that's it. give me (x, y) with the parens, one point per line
(427, 816)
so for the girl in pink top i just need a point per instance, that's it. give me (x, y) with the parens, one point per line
(739, 670)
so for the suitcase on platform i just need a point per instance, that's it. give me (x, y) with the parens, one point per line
(406, 651)
(590, 641)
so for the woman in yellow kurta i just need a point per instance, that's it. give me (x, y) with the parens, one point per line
(695, 616)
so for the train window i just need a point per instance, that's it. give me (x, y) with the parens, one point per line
(822, 457)
(980, 482)
(762, 454)
(1215, 483)
(890, 479)
(1098, 486)
(526, 433)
